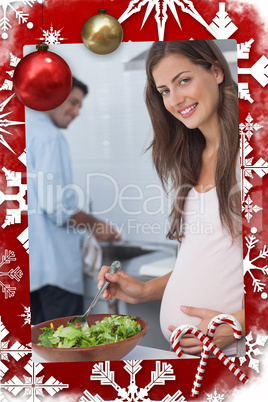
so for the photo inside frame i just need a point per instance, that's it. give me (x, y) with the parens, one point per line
(114, 180)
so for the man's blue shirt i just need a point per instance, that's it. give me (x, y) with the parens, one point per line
(54, 246)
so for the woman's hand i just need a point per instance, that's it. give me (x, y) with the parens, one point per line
(130, 290)
(122, 286)
(223, 335)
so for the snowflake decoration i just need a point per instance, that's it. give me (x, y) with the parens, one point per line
(16, 351)
(7, 258)
(6, 123)
(26, 315)
(243, 92)
(249, 126)
(163, 372)
(247, 166)
(8, 84)
(14, 180)
(243, 50)
(220, 28)
(23, 238)
(259, 70)
(52, 36)
(22, 157)
(9, 291)
(248, 208)
(249, 264)
(252, 350)
(21, 17)
(33, 385)
(215, 397)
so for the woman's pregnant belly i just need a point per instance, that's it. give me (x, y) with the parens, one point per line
(207, 274)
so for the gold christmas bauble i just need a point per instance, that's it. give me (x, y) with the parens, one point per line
(102, 34)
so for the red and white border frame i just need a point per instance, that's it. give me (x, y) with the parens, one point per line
(244, 21)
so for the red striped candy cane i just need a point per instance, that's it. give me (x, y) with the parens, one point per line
(225, 319)
(179, 332)
(212, 326)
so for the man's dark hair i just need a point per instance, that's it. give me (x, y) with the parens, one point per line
(81, 85)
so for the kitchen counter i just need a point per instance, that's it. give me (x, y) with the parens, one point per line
(153, 265)
(141, 260)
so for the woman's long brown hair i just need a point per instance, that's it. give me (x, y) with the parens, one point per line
(177, 150)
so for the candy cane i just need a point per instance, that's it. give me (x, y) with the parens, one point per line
(212, 326)
(179, 332)
(225, 319)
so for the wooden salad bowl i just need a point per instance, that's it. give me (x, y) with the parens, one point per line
(111, 351)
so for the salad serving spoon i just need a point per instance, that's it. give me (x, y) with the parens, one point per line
(82, 320)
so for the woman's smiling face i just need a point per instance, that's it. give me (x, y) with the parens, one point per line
(190, 92)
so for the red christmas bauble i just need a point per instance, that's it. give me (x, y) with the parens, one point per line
(42, 80)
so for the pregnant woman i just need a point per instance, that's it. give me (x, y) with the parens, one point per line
(193, 105)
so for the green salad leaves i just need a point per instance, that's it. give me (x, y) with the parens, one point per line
(111, 329)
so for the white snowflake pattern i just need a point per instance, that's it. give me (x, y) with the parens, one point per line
(8, 257)
(6, 123)
(248, 208)
(253, 350)
(13, 273)
(243, 49)
(22, 157)
(249, 264)
(243, 52)
(249, 126)
(220, 28)
(26, 315)
(23, 238)
(243, 92)
(260, 167)
(9, 291)
(14, 179)
(259, 71)
(163, 372)
(215, 397)
(52, 36)
(16, 351)
(32, 385)
(20, 15)
(8, 84)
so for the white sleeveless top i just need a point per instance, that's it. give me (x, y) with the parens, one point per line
(209, 268)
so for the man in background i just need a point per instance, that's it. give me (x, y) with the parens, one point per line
(56, 269)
